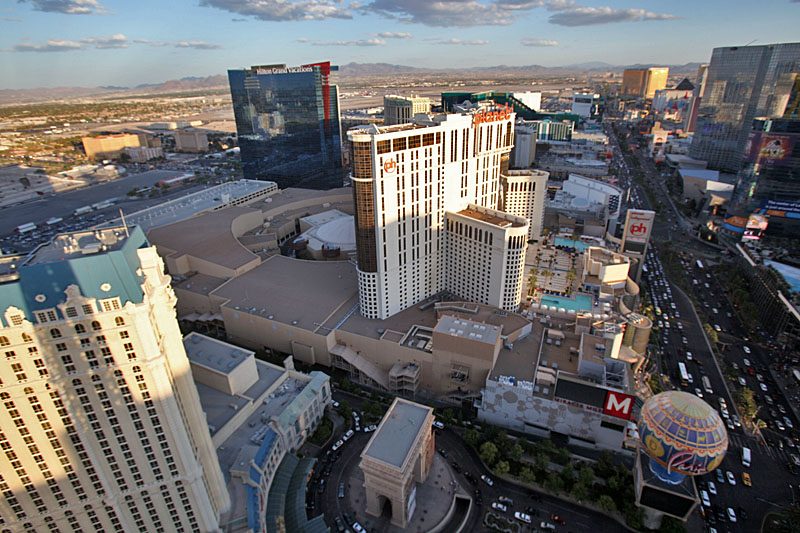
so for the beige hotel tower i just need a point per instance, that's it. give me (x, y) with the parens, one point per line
(101, 427)
(426, 195)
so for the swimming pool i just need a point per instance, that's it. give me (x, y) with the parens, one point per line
(580, 303)
(569, 243)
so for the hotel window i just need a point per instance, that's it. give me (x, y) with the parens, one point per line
(87, 309)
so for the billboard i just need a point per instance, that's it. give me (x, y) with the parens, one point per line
(638, 226)
(769, 148)
(756, 224)
(593, 398)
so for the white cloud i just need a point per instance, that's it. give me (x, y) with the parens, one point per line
(197, 45)
(591, 16)
(52, 45)
(397, 35)
(117, 40)
(360, 42)
(69, 7)
(465, 42)
(538, 42)
(456, 13)
(282, 10)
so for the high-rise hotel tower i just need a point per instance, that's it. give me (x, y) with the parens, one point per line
(101, 427)
(406, 178)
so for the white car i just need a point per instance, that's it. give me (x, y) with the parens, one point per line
(705, 498)
(370, 429)
(522, 517)
(688, 354)
(717, 328)
(763, 387)
(499, 507)
(712, 488)
(731, 478)
(335, 404)
(698, 392)
(547, 526)
(746, 350)
(438, 424)
(731, 515)
(486, 479)
(788, 422)
(337, 445)
(358, 528)
(747, 362)
(347, 435)
(742, 382)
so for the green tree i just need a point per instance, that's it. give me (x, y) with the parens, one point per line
(562, 456)
(586, 475)
(634, 516)
(672, 525)
(344, 409)
(567, 474)
(502, 467)
(787, 522)
(712, 334)
(606, 503)
(745, 403)
(516, 452)
(580, 492)
(472, 437)
(546, 446)
(488, 453)
(554, 482)
(541, 460)
(526, 475)
(447, 416)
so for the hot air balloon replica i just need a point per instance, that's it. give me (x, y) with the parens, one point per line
(681, 436)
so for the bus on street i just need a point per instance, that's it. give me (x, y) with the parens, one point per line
(683, 374)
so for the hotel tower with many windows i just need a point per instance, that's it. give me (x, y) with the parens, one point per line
(407, 180)
(101, 427)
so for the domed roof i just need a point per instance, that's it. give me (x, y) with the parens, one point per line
(339, 231)
(682, 433)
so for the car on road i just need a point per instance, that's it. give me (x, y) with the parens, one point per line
(358, 528)
(742, 381)
(547, 526)
(456, 466)
(443, 452)
(763, 386)
(499, 507)
(335, 404)
(712, 488)
(779, 425)
(522, 517)
(341, 490)
(470, 478)
(731, 478)
(736, 421)
(347, 435)
(746, 362)
(717, 328)
(705, 498)
(506, 500)
(746, 479)
(731, 515)
(558, 520)
(795, 459)
(438, 425)
(688, 355)
(373, 427)
(760, 378)
(698, 392)
(478, 497)
(746, 350)
(339, 524)
(788, 422)
(337, 445)
(487, 480)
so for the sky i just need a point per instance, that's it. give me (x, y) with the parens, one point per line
(89, 43)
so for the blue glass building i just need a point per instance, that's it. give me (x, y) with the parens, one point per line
(287, 120)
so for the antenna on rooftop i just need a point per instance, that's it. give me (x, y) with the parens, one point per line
(751, 42)
(124, 225)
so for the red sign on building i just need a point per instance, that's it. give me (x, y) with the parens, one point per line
(618, 405)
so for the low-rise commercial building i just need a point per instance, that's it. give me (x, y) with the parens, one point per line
(112, 146)
(401, 109)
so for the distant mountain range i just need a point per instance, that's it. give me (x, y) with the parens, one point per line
(350, 72)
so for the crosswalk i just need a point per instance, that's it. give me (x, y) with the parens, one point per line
(737, 441)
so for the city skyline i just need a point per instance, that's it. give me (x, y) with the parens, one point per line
(47, 43)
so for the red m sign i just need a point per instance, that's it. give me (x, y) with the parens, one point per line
(618, 405)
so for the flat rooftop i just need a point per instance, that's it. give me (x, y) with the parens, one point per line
(220, 407)
(490, 218)
(213, 354)
(397, 432)
(191, 204)
(468, 329)
(208, 236)
(293, 291)
(79, 244)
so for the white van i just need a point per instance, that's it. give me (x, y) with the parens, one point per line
(746, 457)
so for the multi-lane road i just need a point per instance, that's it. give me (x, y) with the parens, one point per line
(681, 332)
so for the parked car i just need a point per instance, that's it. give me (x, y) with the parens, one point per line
(499, 507)
(487, 480)
(522, 517)
(349, 434)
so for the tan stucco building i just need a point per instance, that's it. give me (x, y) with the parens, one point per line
(398, 456)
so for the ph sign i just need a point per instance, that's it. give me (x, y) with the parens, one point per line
(390, 166)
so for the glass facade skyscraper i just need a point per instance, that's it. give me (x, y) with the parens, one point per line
(743, 83)
(287, 120)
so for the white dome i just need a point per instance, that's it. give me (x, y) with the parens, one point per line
(339, 232)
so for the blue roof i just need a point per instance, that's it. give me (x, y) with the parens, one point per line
(50, 279)
(266, 445)
(252, 509)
